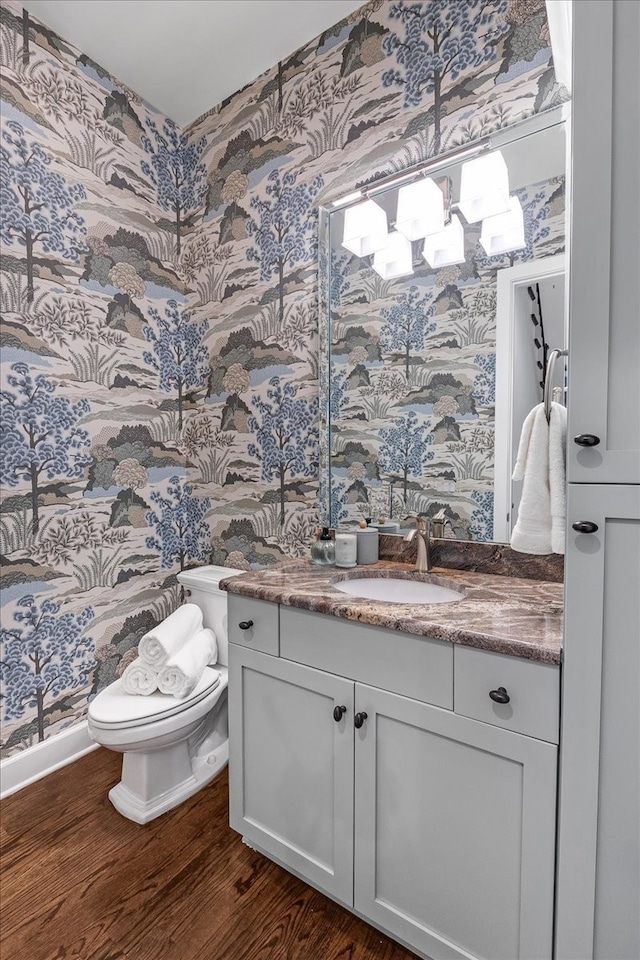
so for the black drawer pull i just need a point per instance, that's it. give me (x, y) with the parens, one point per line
(245, 624)
(500, 695)
(338, 712)
(584, 526)
(359, 719)
(587, 440)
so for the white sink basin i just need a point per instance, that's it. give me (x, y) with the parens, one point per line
(394, 590)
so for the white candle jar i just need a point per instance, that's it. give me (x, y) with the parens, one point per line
(346, 549)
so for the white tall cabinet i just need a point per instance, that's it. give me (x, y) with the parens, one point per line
(598, 873)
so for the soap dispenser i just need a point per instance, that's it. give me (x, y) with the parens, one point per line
(323, 551)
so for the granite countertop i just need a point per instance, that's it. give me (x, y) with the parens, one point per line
(510, 615)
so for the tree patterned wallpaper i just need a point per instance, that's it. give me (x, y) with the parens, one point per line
(158, 296)
(100, 363)
(384, 89)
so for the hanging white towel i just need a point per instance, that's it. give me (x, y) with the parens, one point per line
(182, 671)
(532, 532)
(140, 678)
(558, 476)
(159, 644)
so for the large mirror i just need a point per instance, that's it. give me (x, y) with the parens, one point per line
(431, 361)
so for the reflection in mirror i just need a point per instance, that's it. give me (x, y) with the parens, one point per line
(530, 311)
(416, 421)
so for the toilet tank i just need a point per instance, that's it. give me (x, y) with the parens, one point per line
(201, 583)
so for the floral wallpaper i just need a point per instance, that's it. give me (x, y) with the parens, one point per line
(158, 296)
(100, 364)
(413, 368)
(384, 89)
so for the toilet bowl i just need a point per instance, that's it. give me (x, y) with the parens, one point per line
(171, 748)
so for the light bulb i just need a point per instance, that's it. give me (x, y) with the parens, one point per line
(420, 209)
(396, 259)
(446, 247)
(484, 187)
(365, 228)
(504, 232)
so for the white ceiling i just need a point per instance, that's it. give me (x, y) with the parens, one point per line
(185, 56)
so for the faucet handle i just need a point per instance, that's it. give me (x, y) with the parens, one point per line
(421, 521)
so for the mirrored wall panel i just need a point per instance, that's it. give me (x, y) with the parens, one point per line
(439, 294)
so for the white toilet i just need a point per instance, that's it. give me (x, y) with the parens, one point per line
(171, 747)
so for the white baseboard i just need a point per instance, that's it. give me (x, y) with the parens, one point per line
(36, 762)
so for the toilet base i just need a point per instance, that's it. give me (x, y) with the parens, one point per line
(143, 794)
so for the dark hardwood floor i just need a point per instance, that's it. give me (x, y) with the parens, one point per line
(80, 881)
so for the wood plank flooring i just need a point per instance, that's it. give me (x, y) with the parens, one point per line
(80, 881)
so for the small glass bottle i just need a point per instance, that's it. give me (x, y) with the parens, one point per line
(323, 551)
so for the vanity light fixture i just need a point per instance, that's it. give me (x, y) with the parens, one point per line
(484, 187)
(365, 228)
(445, 248)
(420, 209)
(504, 232)
(396, 260)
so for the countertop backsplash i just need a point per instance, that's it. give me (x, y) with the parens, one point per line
(497, 559)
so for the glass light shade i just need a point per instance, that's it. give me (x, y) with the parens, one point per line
(504, 232)
(420, 209)
(396, 259)
(484, 187)
(447, 247)
(365, 228)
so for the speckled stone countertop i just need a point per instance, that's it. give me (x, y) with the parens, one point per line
(510, 615)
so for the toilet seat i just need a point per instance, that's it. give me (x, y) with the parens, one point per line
(113, 709)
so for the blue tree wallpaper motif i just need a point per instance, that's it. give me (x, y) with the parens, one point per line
(37, 204)
(406, 324)
(442, 40)
(40, 434)
(175, 170)
(179, 354)
(282, 227)
(43, 656)
(220, 220)
(404, 449)
(181, 533)
(286, 437)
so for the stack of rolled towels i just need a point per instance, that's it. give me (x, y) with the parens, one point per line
(172, 657)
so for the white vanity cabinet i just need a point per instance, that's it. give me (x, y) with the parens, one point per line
(436, 827)
(291, 774)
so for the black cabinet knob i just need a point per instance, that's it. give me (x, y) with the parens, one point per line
(587, 440)
(500, 695)
(585, 526)
(359, 719)
(338, 712)
(245, 624)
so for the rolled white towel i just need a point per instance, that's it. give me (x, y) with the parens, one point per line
(159, 644)
(140, 678)
(182, 671)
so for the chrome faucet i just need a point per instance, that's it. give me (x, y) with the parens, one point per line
(422, 529)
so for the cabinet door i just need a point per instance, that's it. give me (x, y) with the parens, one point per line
(291, 766)
(599, 814)
(604, 330)
(455, 831)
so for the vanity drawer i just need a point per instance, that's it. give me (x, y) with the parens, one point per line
(412, 666)
(533, 689)
(262, 634)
